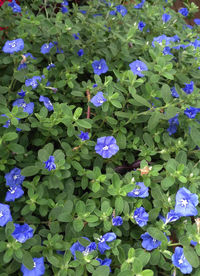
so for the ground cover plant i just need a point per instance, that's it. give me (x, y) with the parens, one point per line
(99, 138)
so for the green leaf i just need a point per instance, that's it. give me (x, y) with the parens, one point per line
(119, 205)
(16, 148)
(166, 93)
(10, 136)
(138, 98)
(80, 208)
(77, 113)
(27, 260)
(147, 272)
(116, 103)
(102, 270)
(78, 225)
(191, 256)
(195, 134)
(84, 123)
(30, 171)
(154, 120)
(156, 234)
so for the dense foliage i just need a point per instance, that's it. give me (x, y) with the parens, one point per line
(99, 138)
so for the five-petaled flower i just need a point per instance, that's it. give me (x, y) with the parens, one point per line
(179, 260)
(106, 146)
(102, 245)
(173, 123)
(106, 261)
(171, 217)
(33, 81)
(141, 217)
(142, 192)
(166, 17)
(141, 25)
(45, 49)
(27, 107)
(183, 11)
(137, 67)
(197, 21)
(15, 7)
(121, 9)
(149, 243)
(191, 112)
(64, 5)
(14, 178)
(189, 87)
(38, 268)
(12, 46)
(49, 164)
(77, 246)
(80, 52)
(98, 99)
(185, 203)
(84, 136)
(22, 232)
(99, 66)
(47, 102)
(5, 215)
(174, 93)
(14, 193)
(117, 221)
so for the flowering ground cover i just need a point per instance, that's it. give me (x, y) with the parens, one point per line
(99, 138)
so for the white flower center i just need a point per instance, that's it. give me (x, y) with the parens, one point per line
(99, 67)
(24, 105)
(15, 177)
(184, 202)
(34, 265)
(12, 191)
(139, 68)
(1, 214)
(100, 101)
(105, 148)
(180, 261)
(136, 192)
(12, 44)
(154, 240)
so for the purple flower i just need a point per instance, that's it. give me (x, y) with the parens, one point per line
(102, 245)
(27, 107)
(5, 215)
(183, 11)
(140, 5)
(166, 17)
(191, 112)
(14, 178)
(106, 146)
(174, 93)
(49, 164)
(149, 243)
(106, 261)
(189, 87)
(14, 193)
(15, 7)
(99, 66)
(179, 260)
(51, 65)
(141, 217)
(185, 203)
(171, 217)
(142, 192)
(45, 49)
(173, 123)
(141, 25)
(12, 46)
(79, 247)
(137, 67)
(76, 36)
(22, 232)
(197, 21)
(98, 99)
(121, 9)
(47, 102)
(80, 52)
(33, 81)
(117, 221)
(84, 136)
(38, 268)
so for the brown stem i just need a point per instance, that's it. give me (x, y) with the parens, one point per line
(88, 98)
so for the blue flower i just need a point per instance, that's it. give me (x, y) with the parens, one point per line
(51, 65)
(179, 260)
(142, 192)
(5, 215)
(171, 216)
(166, 51)
(191, 112)
(174, 93)
(98, 99)
(117, 221)
(99, 66)
(15, 7)
(22, 66)
(166, 17)
(14, 193)
(76, 36)
(185, 203)
(148, 242)
(121, 9)
(27, 107)
(80, 52)
(140, 5)
(45, 49)
(161, 38)
(64, 9)
(49, 164)
(94, 85)
(47, 102)
(102, 245)
(193, 243)
(137, 67)
(112, 13)
(189, 87)
(83, 11)
(106, 146)
(106, 261)
(29, 55)
(33, 81)
(197, 21)
(141, 217)
(22, 232)
(7, 124)
(14, 178)
(38, 268)
(183, 11)
(84, 136)
(79, 247)
(173, 123)
(141, 25)
(12, 46)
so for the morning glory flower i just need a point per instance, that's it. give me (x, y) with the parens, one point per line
(117, 221)
(64, 9)
(142, 192)
(98, 99)
(77, 246)
(137, 67)
(15, 7)
(197, 21)
(121, 9)
(76, 36)
(80, 52)
(149, 243)
(45, 49)
(14, 193)
(141, 25)
(106, 261)
(38, 268)
(14, 178)
(185, 203)
(173, 123)
(141, 217)
(166, 17)
(47, 102)
(99, 66)
(191, 112)
(140, 5)
(27, 107)
(12, 46)
(102, 245)
(22, 232)
(174, 93)
(183, 11)
(49, 164)
(179, 260)
(106, 146)
(33, 81)
(189, 87)
(5, 215)
(84, 136)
